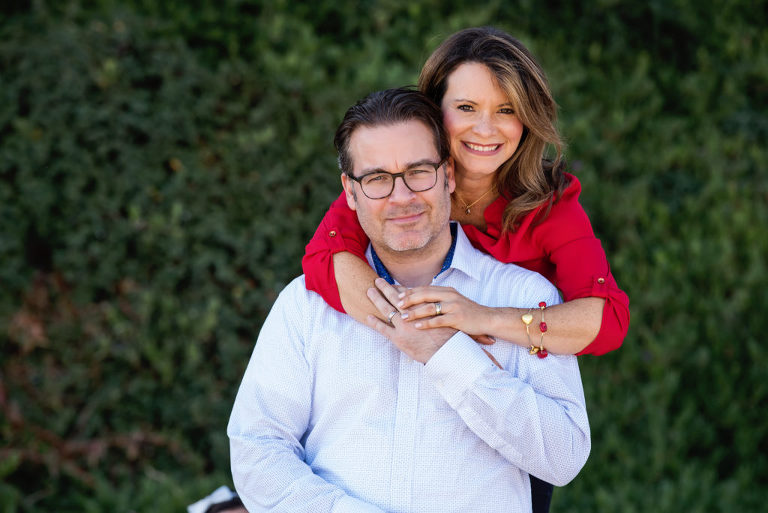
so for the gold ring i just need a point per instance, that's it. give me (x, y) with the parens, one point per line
(391, 314)
(438, 309)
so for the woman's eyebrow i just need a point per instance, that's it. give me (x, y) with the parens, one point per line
(466, 100)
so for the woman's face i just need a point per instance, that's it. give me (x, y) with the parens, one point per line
(481, 122)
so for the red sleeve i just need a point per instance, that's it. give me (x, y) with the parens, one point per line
(581, 268)
(338, 231)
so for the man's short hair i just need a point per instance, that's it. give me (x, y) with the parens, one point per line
(389, 107)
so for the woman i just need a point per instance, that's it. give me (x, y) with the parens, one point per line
(511, 202)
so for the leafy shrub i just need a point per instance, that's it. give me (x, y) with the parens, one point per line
(163, 164)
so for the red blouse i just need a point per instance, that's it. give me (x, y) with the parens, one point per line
(562, 247)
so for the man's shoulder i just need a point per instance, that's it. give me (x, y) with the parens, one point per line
(301, 313)
(526, 283)
(525, 287)
(482, 263)
(296, 295)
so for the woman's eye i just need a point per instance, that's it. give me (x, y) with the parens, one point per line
(507, 110)
(465, 108)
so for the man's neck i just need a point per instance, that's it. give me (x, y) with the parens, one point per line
(416, 267)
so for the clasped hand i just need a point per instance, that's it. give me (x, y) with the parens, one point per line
(418, 305)
(419, 344)
(415, 328)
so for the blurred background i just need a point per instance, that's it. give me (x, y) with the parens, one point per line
(163, 164)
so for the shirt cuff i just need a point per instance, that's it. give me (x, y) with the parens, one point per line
(456, 365)
(348, 504)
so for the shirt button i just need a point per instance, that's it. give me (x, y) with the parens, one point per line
(332, 233)
(601, 280)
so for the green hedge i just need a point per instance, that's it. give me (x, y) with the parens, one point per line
(163, 164)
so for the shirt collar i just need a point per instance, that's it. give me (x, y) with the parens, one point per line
(458, 256)
(465, 258)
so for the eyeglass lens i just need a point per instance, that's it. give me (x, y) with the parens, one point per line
(381, 185)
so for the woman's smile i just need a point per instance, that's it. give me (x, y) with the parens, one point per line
(482, 149)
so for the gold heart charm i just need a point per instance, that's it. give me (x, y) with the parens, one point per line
(527, 318)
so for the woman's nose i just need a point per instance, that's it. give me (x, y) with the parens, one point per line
(484, 125)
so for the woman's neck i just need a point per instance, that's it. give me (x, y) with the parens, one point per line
(471, 186)
(472, 196)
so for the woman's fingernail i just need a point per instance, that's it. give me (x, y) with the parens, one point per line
(417, 325)
(401, 303)
(404, 315)
(401, 295)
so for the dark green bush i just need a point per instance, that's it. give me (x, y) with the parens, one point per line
(162, 165)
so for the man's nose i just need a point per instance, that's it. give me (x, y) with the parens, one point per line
(401, 191)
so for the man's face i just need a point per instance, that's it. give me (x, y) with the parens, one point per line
(404, 220)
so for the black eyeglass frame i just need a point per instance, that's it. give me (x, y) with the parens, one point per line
(395, 176)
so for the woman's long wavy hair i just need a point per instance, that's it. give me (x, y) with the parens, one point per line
(527, 179)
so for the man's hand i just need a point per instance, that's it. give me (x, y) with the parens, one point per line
(419, 344)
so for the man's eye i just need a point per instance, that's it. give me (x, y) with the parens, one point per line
(375, 178)
(419, 171)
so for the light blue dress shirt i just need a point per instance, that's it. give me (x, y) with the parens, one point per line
(332, 417)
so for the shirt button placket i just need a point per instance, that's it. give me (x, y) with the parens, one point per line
(404, 443)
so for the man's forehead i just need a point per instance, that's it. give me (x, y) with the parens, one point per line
(391, 146)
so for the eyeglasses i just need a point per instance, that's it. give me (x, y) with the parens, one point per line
(380, 184)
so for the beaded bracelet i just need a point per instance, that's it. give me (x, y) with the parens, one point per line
(527, 319)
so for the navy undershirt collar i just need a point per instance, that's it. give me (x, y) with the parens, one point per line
(382, 271)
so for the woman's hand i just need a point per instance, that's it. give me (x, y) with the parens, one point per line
(419, 306)
(420, 345)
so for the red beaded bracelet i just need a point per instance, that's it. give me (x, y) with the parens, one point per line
(527, 319)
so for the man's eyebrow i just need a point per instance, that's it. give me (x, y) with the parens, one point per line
(410, 165)
(369, 170)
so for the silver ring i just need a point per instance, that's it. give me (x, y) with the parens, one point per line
(391, 314)
(438, 309)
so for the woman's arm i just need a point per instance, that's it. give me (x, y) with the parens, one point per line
(571, 326)
(594, 317)
(581, 271)
(354, 277)
(334, 262)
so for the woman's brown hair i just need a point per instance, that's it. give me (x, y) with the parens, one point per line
(527, 179)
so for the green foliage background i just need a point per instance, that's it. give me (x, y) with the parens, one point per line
(162, 165)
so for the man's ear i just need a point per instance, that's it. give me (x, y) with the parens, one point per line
(449, 175)
(349, 191)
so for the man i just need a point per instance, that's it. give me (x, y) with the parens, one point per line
(332, 416)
